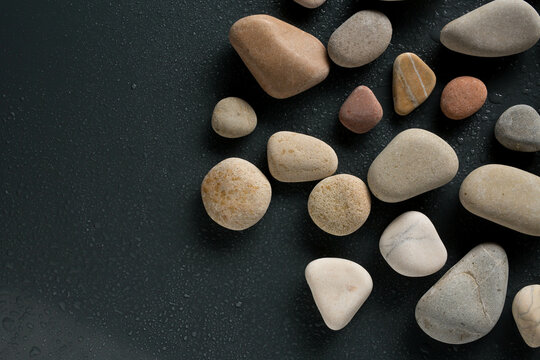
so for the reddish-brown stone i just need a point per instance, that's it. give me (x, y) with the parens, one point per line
(361, 111)
(462, 97)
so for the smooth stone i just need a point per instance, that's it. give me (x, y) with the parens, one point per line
(412, 246)
(284, 60)
(499, 28)
(233, 118)
(361, 39)
(466, 303)
(505, 195)
(526, 311)
(339, 204)
(414, 162)
(310, 4)
(361, 111)
(413, 81)
(294, 157)
(462, 97)
(236, 194)
(339, 287)
(518, 129)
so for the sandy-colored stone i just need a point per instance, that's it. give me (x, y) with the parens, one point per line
(462, 97)
(466, 303)
(412, 246)
(518, 129)
(339, 287)
(294, 157)
(505, 195)
(233, 118)
(413, 81)
(310, 4)
(361, 111)
(414, 162)
(526, 311)
(283, 59)
(236, 194)
(339, 204)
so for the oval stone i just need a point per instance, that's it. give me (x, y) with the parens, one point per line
(505, 195)
(462, 97)
(518, 129)
(414, 162)
(526, 311)
(310, 4)
(236, 194)
(361, 111)
(233, 118)
(294, 157)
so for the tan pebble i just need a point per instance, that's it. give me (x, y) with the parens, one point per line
(361, 111)
(310, 4)
(233, 118)
(526, 311)
(462, 97)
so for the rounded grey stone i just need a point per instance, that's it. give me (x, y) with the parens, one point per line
(518, 129)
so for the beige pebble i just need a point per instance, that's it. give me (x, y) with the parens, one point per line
(310, 4)
(526, 311)
(233, 118)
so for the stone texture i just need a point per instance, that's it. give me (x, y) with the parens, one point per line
(462, 97)
(294, 157)
(499, 28)
(310, 4)
(412, 246)
(233, 118)
(414, 162)
(339, 287)
(413, 81)
(518, 129)
(236, 194)
(526, 311)
(505, 195)
(466, 303)
(339, 204)
(361, 39)
(361, 111)
(284, 60)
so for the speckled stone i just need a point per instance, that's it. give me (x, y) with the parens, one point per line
(466, 303)
(462, 97)
(518, 129)
(361, 39)
(526, 311)
(233, 118)
(310, 4)
(414, 162)
(361, 111)
(236, 194)
(339, 287)
(284, 60)
(505, 195)
(499, 28)
(413, 81)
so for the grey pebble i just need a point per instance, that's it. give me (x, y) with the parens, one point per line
(518, 129)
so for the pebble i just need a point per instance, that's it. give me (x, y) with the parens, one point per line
(339, 287)
(339, 204)
(294, 157)
(361, 39)
(412, 246)
(518, 129)
(414, 162)
(284, 60)
(361, 111)
(462, 97)
(526, 311)
(236, 194)
(233, 118)
(466, 303)
(310, 4)
(413, 82)
(499, 28)
(505, 195)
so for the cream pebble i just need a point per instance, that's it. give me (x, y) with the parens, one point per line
(233, 118)
(526, 311)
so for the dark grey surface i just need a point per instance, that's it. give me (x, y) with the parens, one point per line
(105, 248)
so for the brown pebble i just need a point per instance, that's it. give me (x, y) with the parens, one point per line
(361, 111)
(462, 97)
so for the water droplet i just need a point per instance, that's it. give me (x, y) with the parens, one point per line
(133, 86)
(238, 304)
(460, 140)
(495, 98)
(35, 351)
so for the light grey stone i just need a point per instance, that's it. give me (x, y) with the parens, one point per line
(518, 129)
(310, 4)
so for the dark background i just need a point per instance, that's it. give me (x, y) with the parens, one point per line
(106, 251)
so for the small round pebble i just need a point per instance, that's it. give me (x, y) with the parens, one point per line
(233, 118)
(518, 129)
(310, 4)
(361, 111)
(526, 311)
(462, 97)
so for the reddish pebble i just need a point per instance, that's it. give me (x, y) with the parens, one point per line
(361, 111)
(462, 97)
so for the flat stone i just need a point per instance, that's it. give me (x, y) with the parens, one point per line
(236, 194)
(499, 28)
(518, 129)
(462, 97)
(284, 60)
(412, 246)
(233, 118)
(466, 303)
(294, 157)
(361, 111)
(526, 311)
(505, 195)
(310, 4)
(361, 39)
(339, 287)
(413, 81)
(414, 162)
(339, 204)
